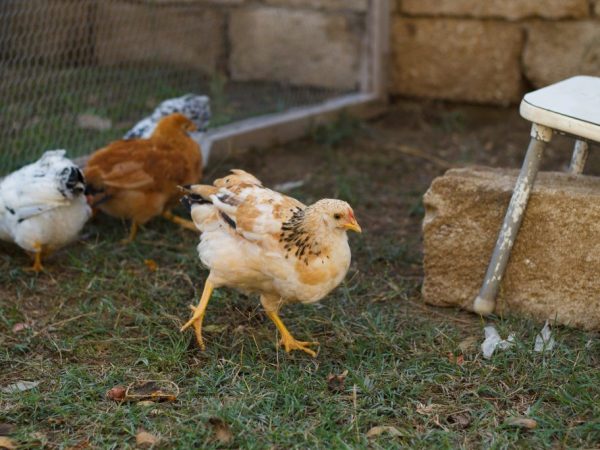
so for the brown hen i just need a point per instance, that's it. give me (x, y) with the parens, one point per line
(137, 179)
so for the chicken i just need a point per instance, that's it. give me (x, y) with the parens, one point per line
(194, 107)
(259, 241)
(137, 179)
(43, 206)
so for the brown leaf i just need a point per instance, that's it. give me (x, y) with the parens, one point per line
(222, 432)
(376, 431)
(214, 328)
(145, 440)
(151, 265)
(469, 345)
(7, 443)
(117, 394)
(458, 360)
(146, 403)
(6, 428)
(335, 383)
(462, 420)
(154, 390)
(521, 422)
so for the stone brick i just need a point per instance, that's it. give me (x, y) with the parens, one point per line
(555, 51)
(506, 9)
(295, 46)
(184, 36)
(553, 269)
(50, 32)
(335, 5)
(454, 59)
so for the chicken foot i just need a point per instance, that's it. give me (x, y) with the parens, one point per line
(187, 224)
(199, 312)
(287, 340)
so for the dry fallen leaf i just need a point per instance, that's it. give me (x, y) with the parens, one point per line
(154, 390)
(7, 443)
(214, 328)
(469, 345)
(522, 422)
(145, 439)
(376, 431)
(222, 432)
(335, 383)
(117, 394)
(146, 403)
(458, 360)
(426, 410)
(20, 386)
(151, 265)
(462, 420)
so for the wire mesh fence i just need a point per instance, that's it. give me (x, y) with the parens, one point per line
(76, 74)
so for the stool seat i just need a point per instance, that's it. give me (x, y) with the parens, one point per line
(570, 106)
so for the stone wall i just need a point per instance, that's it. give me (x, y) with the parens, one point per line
(315, 43)
(491, 51)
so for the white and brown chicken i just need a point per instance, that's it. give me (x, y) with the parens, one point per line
(259, 241)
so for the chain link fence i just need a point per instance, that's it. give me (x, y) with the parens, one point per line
(76, 74)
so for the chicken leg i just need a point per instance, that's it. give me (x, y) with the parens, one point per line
(132, 233)
(37, 259)
(187, 224)
(199, 311)
(288, 341)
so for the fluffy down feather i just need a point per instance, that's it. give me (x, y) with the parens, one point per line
(42, 206)
(260, 241)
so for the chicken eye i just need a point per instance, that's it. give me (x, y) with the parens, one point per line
(337, 216)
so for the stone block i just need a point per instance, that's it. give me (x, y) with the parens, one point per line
(553, 269)
(555, 51)
(465, 60)
(505, 9)
(179, 35)
(300, 47)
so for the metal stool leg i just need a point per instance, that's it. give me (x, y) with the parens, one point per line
(580, 154)
(485, 302)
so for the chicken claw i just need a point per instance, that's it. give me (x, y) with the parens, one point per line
(289, 344)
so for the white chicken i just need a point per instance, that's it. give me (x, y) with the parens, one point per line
(43, 206)
(257, 240)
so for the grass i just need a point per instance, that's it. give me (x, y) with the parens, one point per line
(100, 317)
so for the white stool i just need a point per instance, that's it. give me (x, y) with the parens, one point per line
(569, 107)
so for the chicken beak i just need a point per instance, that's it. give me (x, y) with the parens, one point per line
(353, 225)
